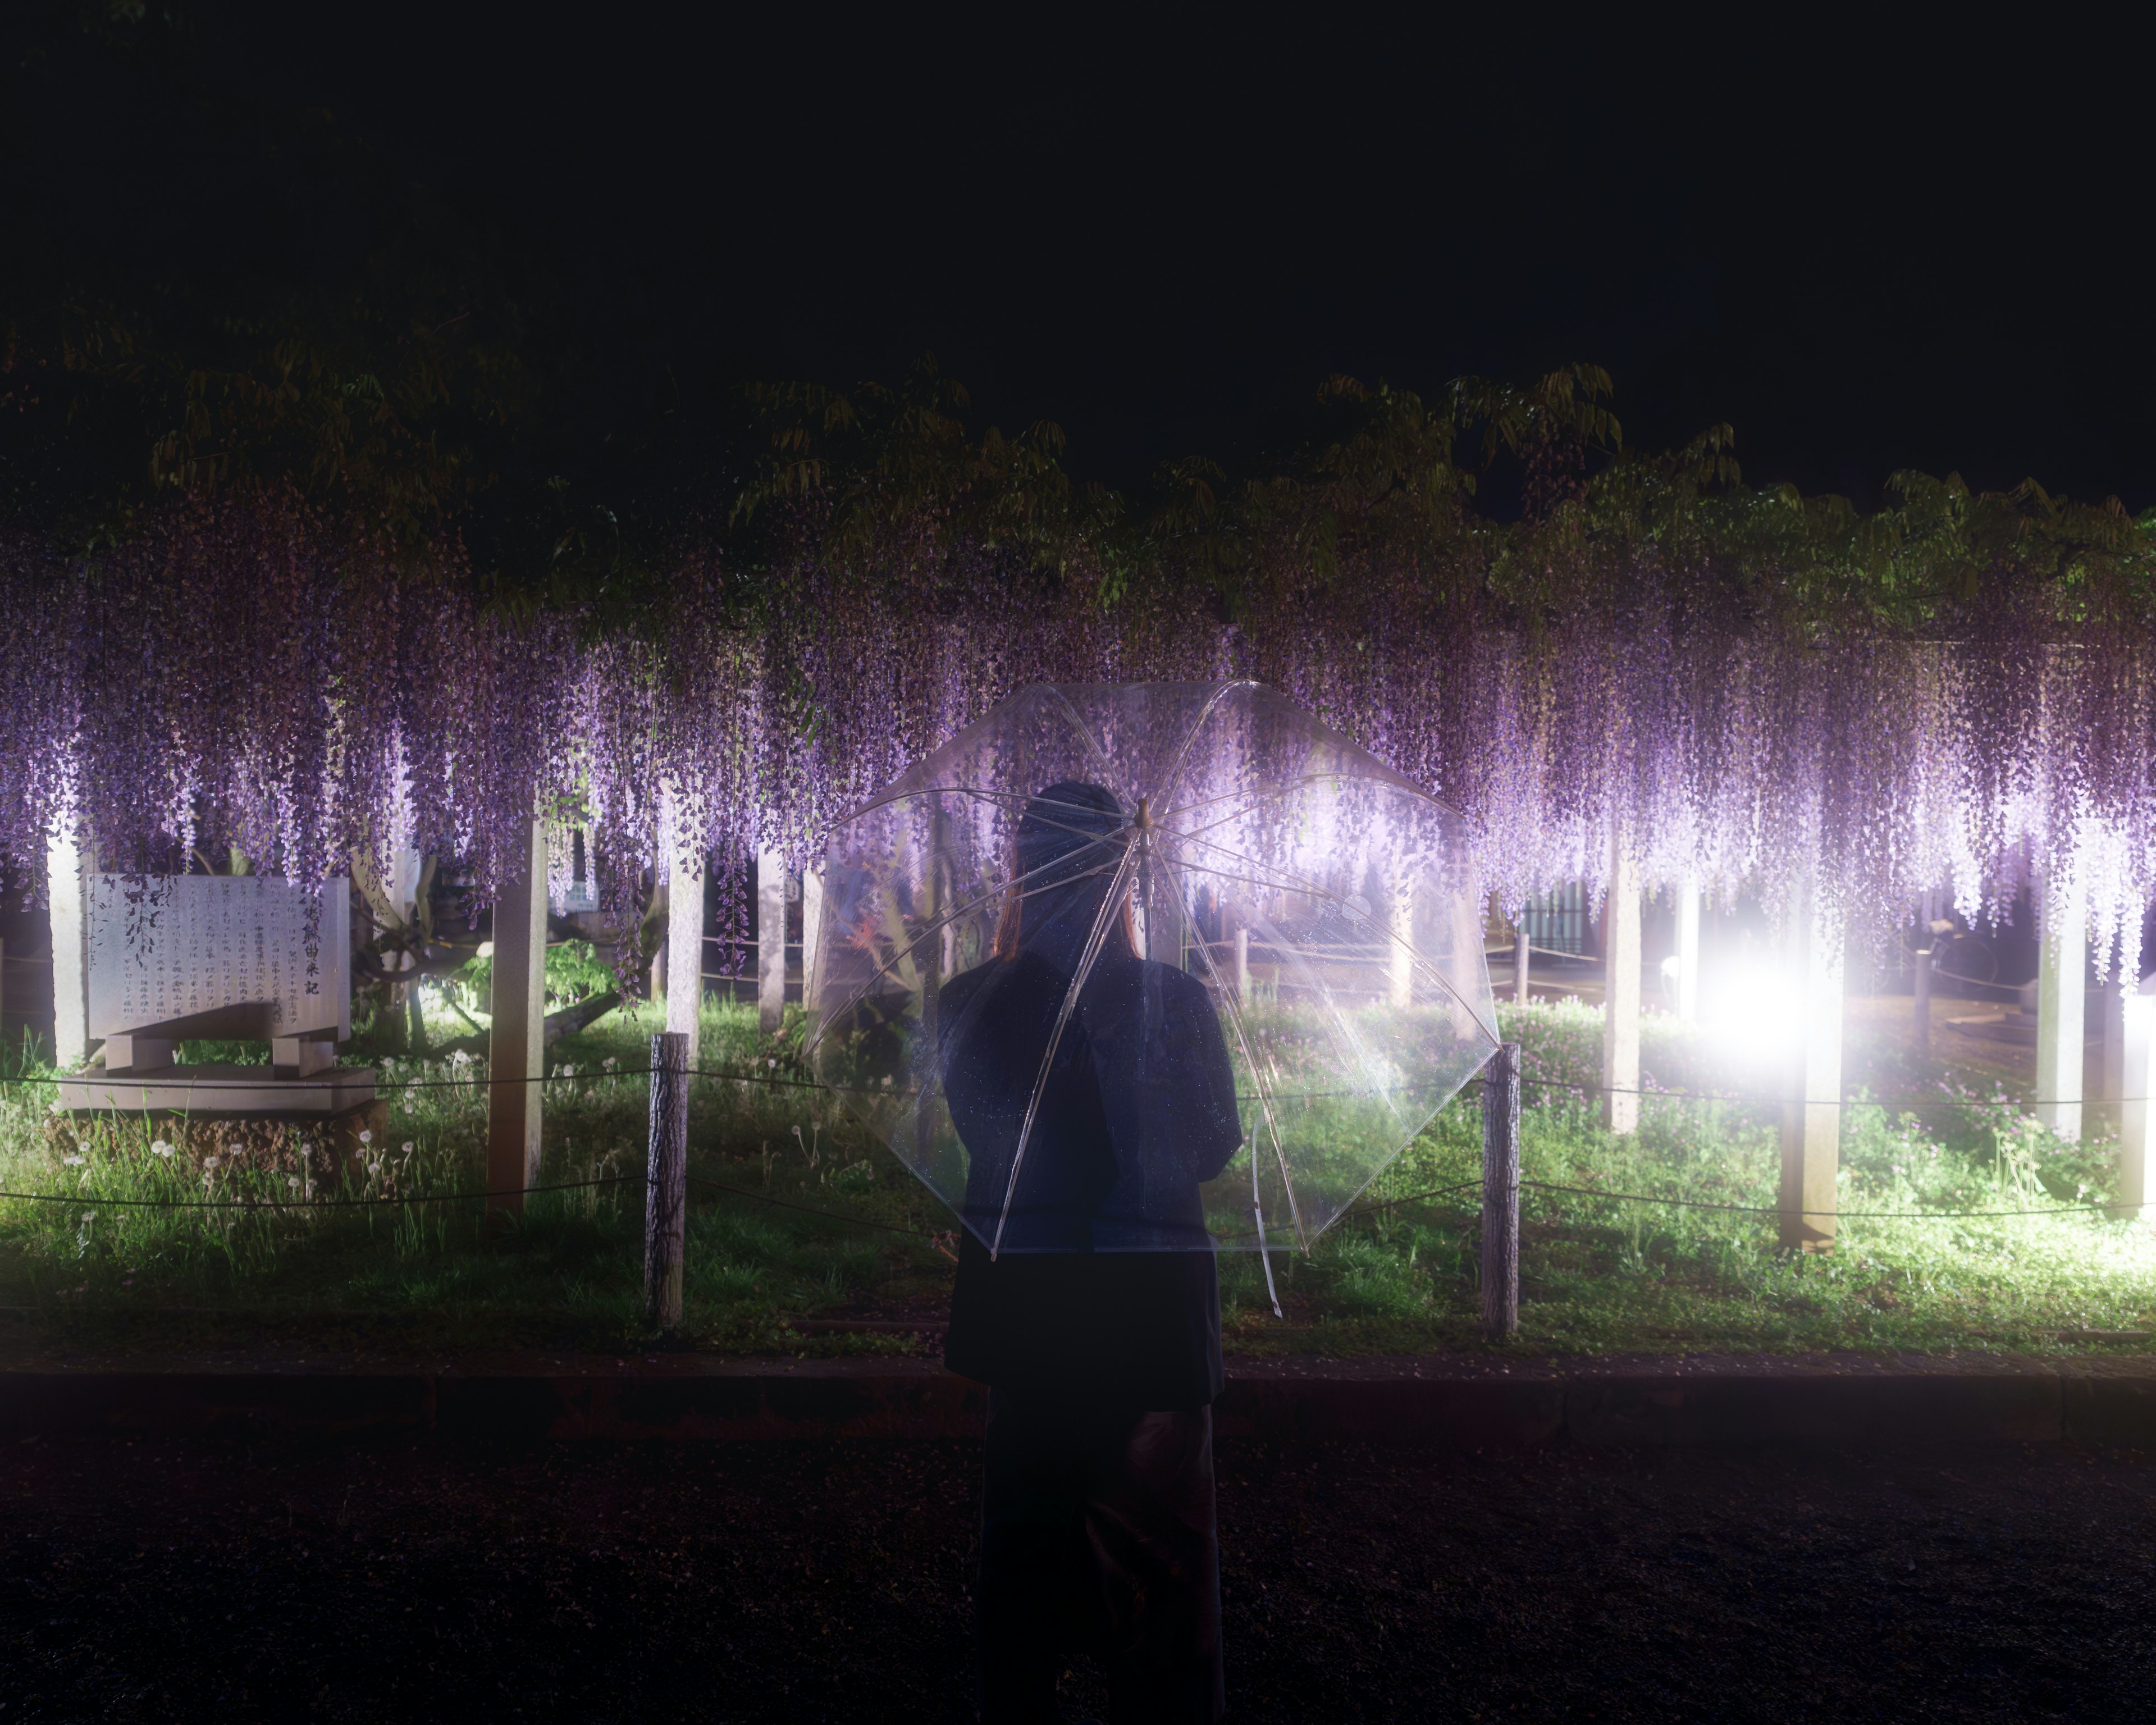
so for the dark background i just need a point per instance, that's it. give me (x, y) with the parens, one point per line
(1869, 244)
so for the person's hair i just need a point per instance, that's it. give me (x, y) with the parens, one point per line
(1011, 923)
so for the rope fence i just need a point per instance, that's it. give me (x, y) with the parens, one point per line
(1649, 1092)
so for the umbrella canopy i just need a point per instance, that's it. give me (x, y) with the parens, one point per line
(1149, 967)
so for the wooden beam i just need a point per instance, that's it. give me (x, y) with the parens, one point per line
(1620, 998)
(516, 1044)
(2061, 994)
(1811, 1109)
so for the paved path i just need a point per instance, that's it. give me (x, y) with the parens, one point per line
(397, 1576)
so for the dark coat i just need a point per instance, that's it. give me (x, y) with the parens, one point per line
(1106, 1288)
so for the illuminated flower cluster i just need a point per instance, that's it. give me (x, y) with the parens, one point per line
(239, 674)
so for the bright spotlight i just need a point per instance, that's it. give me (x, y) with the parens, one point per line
(1755, 1011)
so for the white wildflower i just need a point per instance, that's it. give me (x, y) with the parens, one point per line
(294, 1182)
(772, 1065)
(160, 1148)
(409, 1146)
(367, 1137)
(609, 1063)
(75, 1160)
(209, 1162)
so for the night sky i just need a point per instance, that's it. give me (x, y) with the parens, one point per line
(1868, 248)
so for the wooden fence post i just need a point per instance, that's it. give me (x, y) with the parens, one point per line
(666, 1180)
(1501, 1193)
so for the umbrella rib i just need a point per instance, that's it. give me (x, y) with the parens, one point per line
(1285, 785)
(1303, 884)
(1265, 1102)
(1062, 1018)
(936, 926)
(960, 790)
(1174, 774)
(1099, 755)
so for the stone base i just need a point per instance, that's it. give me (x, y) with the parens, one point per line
(218, 1090)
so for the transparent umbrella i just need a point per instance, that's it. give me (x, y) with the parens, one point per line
(1149, 967)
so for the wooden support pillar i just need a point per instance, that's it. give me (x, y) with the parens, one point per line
(2113, 1081)
(1521, 957)
(1921, 986)
(1242, 966)
(812, 936)
(516, 1047)
(67, 895)
(1399, 969)
(2061, 994)
(1686, 1005)
(685, 944)
(1620, 999)
(1811, 1109)
(662, 904)
(2136, 1111)
(770, 940)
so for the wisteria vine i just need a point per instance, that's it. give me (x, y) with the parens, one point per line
(244, 674)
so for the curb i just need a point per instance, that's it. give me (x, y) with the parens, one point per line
(1688, 1404)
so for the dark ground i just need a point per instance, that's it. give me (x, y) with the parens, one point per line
(174, 1580)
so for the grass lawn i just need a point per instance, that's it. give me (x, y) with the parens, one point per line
(1600, 1272)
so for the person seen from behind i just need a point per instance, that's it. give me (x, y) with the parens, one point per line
(1095, 1322)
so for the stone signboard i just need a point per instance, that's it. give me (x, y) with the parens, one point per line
(218, 956)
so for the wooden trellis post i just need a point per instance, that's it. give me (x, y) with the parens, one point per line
(811, 935)
(1620, 1006)
(1921, 981)
(65, 866)
(2061, 999)
(1811, 1109)
(684, 935)
(770, 940)
(2137, 1086)
(1501, 1193)
(666, 1180)
(516, 1046)
(1686, 1006)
